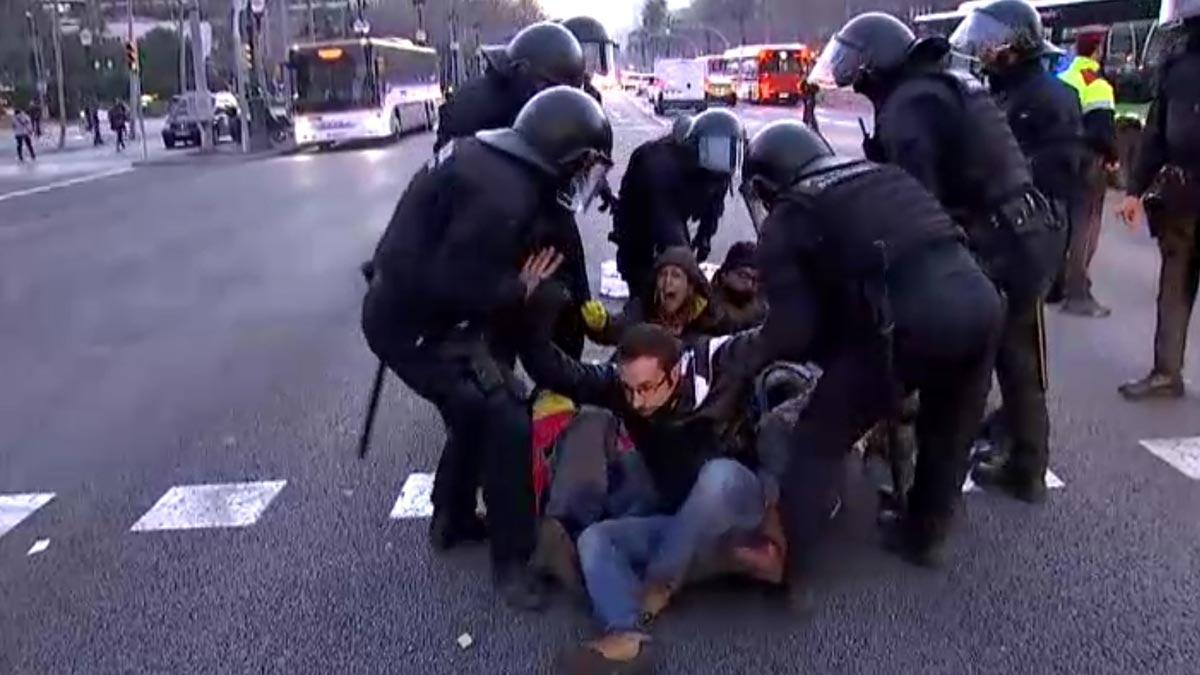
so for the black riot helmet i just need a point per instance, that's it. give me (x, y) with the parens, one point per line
(780, 155)
(565, 134)
(717, 138)
(586, 30)
(546, 54)
(869, 47)
(1001, 33)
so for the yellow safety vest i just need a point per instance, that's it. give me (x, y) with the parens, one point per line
(1095, 93)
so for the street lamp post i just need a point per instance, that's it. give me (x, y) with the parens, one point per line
(39, 75)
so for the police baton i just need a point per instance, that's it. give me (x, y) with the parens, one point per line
(364, 439)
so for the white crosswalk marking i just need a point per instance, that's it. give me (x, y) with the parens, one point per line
(191, 507)
(1053, 482)
(1181, 453)
(15, 508)
(413, 501)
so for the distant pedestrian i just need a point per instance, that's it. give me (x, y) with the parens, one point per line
(808, 96)
(35, 114)
(118, 117)
(94, 124)
(23, 130)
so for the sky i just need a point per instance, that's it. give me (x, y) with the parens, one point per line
(617, 16)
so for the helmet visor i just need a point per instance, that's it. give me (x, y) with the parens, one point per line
(581, 189)
(755, 206)
(720, 154)
(838, 65)
(980, 37)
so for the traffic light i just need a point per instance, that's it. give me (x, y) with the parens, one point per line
(248, 53)
(131, 56)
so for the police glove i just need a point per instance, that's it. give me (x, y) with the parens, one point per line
(595, 316)
(702, 250)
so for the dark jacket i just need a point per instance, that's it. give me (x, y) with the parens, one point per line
(490, 101)
(661, 192)
(456, 241)
(1045, 116)
(946, 131)
(1172, 133)
(827, 256)
(680, 437)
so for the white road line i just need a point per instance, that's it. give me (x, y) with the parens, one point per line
(1181, 453)
(15, 508)
(1053, 482)
(191, 507)
(65, 183)
(413, 501)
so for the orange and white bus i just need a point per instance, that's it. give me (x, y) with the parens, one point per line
(769, 73)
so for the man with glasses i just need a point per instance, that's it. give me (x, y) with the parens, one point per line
(705, 505)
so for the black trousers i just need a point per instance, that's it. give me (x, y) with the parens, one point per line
(945, 349)
(1179, 277)
(120, 132)
(488, 431)
(23, 143)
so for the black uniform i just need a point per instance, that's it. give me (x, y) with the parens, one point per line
(845, 255)
(445, 286)
(490, 101)
(661, 192)
(944, 129)
(1172, 196)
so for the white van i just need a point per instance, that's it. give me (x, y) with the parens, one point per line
(680, 85)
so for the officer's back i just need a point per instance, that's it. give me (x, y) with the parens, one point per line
(458, 227)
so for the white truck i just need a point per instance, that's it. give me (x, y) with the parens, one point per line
(679, 84)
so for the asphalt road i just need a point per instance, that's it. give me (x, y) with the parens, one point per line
(194, 325)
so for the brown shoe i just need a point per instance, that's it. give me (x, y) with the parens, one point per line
(556, 556)
(611, 654)
(1154, 385)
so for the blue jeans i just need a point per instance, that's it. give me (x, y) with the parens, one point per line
(621, 557)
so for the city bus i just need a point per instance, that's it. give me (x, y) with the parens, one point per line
(362, 89)
(769, 73)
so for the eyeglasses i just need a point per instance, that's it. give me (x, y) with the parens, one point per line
(645, 389)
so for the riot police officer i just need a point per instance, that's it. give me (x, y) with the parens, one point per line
(1007, 39)
(943, 128)
(447, 282)
(681, 177)
(594, 40)
(866, 275)
(1166, 178)
(540, 55)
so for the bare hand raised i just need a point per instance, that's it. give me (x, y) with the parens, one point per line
(538, 267)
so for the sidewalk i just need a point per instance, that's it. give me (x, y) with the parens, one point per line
(77, 140)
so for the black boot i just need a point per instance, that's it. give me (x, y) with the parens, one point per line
(519, 585)
(556, 556)
(1018, 483)
(446, 531)
(920, 540)
(1154, 385)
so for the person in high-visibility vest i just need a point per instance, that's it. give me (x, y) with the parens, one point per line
(1100, 134)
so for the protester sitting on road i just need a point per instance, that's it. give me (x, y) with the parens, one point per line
(701, 494)
(736, 290)
(23, 130)
(681, 303)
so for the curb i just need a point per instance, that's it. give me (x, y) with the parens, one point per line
(197, 158)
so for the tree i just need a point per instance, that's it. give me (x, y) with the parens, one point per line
(158, 51)
(655, 16)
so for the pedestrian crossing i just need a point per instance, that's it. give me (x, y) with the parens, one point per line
(243, 504)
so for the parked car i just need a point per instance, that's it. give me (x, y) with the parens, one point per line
(183, 128)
